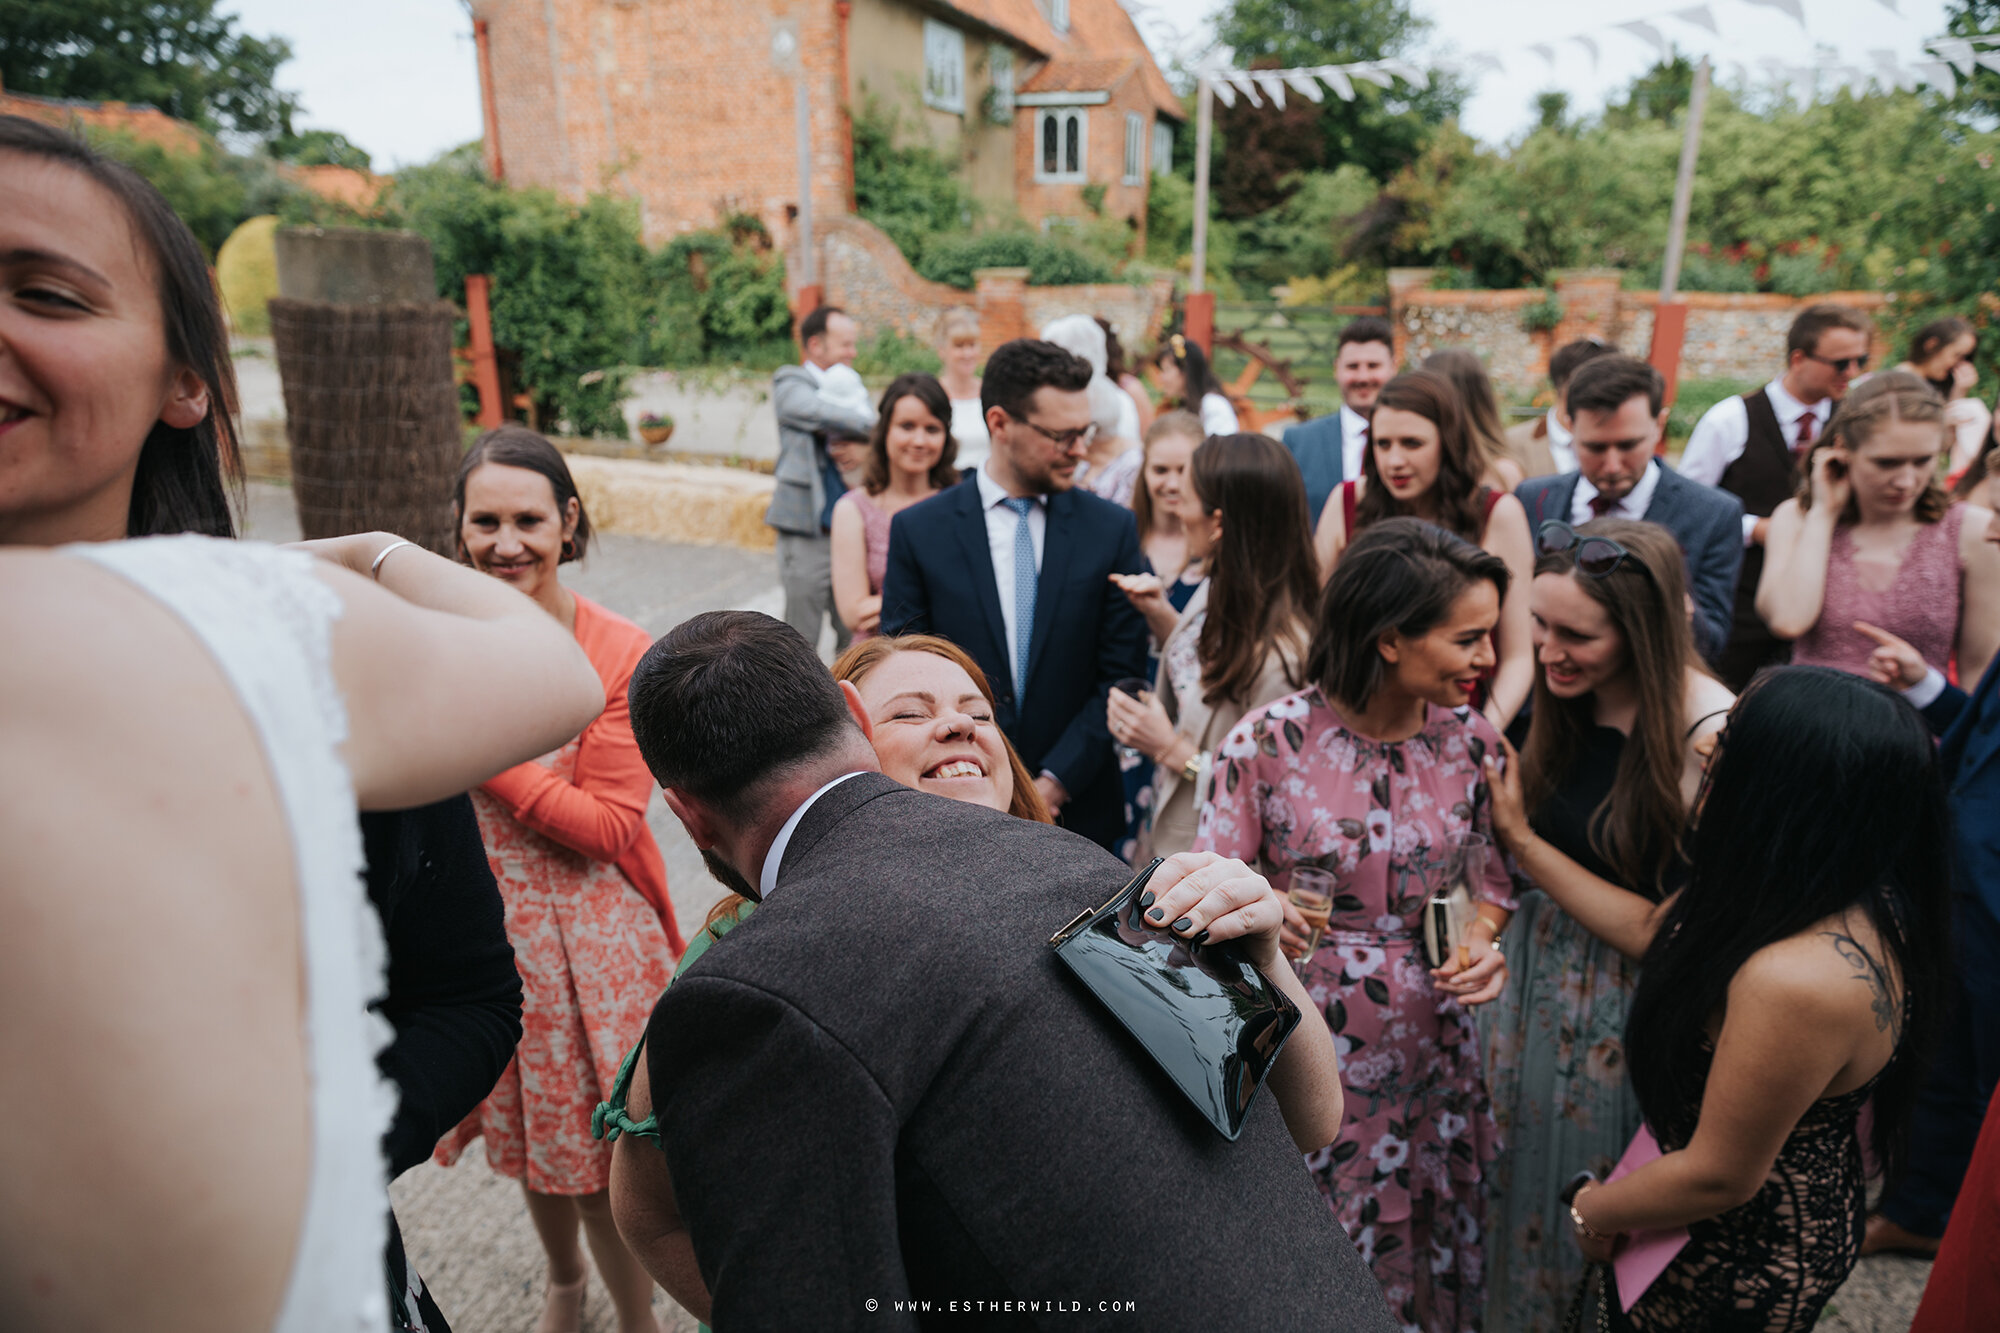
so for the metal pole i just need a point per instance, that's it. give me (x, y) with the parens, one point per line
(1670, 273)
(803, 131)
(1204, 124)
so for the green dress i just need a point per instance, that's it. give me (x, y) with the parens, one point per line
(1555, 1067)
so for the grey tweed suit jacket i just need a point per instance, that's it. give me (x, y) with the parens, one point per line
(883, 1088)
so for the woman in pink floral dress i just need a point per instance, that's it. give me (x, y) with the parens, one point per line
(585, 891)
(1366, 774)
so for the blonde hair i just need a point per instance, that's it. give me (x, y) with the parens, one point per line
(1175, 422)
(955, 321)
(1890, 397)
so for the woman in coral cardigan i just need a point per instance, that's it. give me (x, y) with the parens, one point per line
(585, 889)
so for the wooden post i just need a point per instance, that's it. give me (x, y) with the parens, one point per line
(1670, 316)
(1204, 129)
(485, 364)
(495, 168)
(1199, 327)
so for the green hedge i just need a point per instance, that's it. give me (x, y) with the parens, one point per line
(952, 260)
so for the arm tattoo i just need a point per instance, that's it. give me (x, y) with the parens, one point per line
(1886, 1014)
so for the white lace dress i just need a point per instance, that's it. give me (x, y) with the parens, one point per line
(267, 621)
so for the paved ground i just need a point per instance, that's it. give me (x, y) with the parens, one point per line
(466, 1228)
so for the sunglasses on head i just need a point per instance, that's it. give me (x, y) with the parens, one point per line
(1595, 556)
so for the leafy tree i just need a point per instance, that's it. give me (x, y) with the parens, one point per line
(1978, 96)
(910, 191)
(1660, 94)
(312, 148)
(1380, 131)
(178, 55)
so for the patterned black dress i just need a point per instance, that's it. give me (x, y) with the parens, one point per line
(1772, 1264)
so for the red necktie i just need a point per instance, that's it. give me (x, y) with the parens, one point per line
(1806, 424)
(1601, 504)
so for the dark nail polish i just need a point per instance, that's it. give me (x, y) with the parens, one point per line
(1182, 924)
(1201, 938)
(1146, 898)
(1157, 914)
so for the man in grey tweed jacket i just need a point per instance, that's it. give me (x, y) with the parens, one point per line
(883, 1103)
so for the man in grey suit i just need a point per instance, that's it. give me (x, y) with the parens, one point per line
(883, 1103)
(1616, 413)
(808, 483)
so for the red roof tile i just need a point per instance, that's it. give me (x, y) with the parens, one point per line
(1101, 35)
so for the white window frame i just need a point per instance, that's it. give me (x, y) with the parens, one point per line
(944, 67)
(1058, 16)
(1135, 149)
(1163, 146)
(1000, 70)
(1069, 172)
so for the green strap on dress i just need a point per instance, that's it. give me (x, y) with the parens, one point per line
(611, 1119)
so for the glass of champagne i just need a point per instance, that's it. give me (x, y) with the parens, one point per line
(1311, 891)
(1465, 863)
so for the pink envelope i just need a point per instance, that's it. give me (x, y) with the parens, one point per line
(1645, 1254)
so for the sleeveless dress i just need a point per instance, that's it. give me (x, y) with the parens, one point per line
(1771, 1265)
(1406, 1178)
(1555, 1063)
(875, 541)
(266, 620)
(1921, 605)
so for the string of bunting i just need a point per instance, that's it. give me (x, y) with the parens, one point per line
(1954, 58)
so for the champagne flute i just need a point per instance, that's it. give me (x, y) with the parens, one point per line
(1311, 891)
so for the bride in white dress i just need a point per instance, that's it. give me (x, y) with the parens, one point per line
(190, 1114)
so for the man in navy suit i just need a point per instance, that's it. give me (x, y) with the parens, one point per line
(1616, 418)
(1014, 566)
(1965, 1070)
(1328, 449)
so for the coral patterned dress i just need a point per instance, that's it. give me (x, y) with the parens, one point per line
(1405, 1177)
(592, 929)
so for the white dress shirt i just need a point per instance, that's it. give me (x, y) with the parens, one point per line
(1562, 449)
(1632, 506)
(767, 876)
(1000, 524)
(1723, 432)
(1353, 441)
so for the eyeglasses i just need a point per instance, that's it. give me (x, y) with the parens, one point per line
(1064, 440)
(1840, 364)
(1595, 556)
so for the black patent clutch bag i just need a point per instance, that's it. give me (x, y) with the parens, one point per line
(1203, 1012)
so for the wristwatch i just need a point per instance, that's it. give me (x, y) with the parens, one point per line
(1191, 770)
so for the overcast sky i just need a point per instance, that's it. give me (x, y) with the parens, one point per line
(399, 77)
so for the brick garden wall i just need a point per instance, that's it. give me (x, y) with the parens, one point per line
(863, 272)
(1730, 335)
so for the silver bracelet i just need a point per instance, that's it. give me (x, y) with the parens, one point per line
(375, 570)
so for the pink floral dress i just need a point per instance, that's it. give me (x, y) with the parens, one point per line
(1406, 1176)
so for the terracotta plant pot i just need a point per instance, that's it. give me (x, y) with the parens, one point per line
(656, 434)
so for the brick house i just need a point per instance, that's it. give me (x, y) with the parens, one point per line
(680, 104)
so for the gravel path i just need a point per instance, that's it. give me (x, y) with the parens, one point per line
(467, 1230)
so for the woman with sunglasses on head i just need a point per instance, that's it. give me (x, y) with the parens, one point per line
(1421, 462)
(1372, 775)
(1182, 371)
(1871, 537)
(1790, 981)
(1241, 640)
(1610, 766)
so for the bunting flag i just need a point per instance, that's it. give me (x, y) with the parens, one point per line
(1546, 52)
(1223, 90)
(1958, 52)
(1407, 72)
(1274, 88)
(1646, 33)
(1589, 44)
(1305, 87)
(1989, 60)
(1701, 16)
(1938, 74)
(1334, 77)
(1791, 7)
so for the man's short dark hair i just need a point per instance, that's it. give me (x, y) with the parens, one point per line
(1018, 368)
(1367, 329)
(1815, 320)
(814, 324)
(1570, 356)
(729, 699)
(1607, 383)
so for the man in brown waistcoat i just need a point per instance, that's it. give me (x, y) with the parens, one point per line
(1750, 446)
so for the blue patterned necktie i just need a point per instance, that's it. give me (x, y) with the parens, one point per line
(1024, 592)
